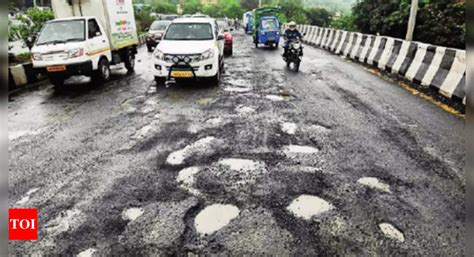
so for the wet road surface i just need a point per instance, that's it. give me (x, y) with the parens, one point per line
(330, 161)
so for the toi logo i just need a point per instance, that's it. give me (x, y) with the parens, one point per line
(22, 224)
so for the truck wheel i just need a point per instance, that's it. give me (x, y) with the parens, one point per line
(160, 81)
(58, 82)
(103, 72)
(130, 61)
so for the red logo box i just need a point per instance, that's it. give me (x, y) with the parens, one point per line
(22, 224)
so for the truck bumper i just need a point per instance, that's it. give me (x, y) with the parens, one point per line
(83, 68)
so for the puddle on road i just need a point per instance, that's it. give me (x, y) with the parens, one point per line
(215, 217)
(202, 145)
(237, 89)
(275, 97)
(237, 164)
(17, 134)
(87, 253)
(374, 183)
(289, 128)
(186, 179)
(132, 213)
(244, 109)
(391, 232)
(26, 198)
(65, 221)
(299, 149)
(307, 206)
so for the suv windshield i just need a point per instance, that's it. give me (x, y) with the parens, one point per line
(189, 31)
(62, 31)
(159, 25)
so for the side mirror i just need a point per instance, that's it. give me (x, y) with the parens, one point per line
(231, 29)
(220, 37)
(226, 30)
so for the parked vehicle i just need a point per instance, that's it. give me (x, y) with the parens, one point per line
(192, 48)
(228, 39)
(155, 33)
(248, 22)
(266, 27)
(200, 15)
(85, 39)
(294, 55)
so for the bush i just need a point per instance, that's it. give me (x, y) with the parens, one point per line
(344, 22)
(318, 17)
(30, 24)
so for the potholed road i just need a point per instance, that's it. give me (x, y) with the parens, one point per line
(330, 161)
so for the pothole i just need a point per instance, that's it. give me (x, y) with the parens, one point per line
(65, 221)
(132, 213)
(186, 178)
(275, 98)
(203, 145)
(374, 183)
(307, 206)
(244, 109)
(289, 128)
(87, 253)
(391, 232)
(299, 149)
(26, 198)
(215, 217)
(237, 164)
(237, 89)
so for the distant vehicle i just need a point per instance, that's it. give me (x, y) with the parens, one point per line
(248, 22)
(228, 39)
(155, 33)
(86, 45)
(266, 27)
(200, 15)
(192, 48)
(169, 17)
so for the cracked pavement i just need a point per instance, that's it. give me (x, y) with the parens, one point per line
(332, 160)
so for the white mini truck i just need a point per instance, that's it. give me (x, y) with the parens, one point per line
(191, 48)
(86, 37)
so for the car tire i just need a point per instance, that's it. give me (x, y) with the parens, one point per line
(103, 71)
(160, 81)
(216, 79)
(129, 61)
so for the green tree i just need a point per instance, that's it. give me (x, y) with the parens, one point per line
(344, 22)
(293, 10)
(192, 6)
(212, 10)
(30, 24)
(163, 6)
(318, 16)
(248, 5)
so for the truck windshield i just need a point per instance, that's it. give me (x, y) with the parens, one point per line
(62, 32)
(269, 24)
(189, 31)
(159, 25)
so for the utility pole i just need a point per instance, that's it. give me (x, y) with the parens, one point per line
(412, 20)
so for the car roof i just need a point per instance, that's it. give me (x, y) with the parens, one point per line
(194, 20)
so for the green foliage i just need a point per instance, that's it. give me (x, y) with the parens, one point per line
(192, 6)
(22, 58)
(318, 17)
(161, 6)
(143, 20)
(344, 22)
(438, 22)
(30, 24)
(293, 10)
(212, 10)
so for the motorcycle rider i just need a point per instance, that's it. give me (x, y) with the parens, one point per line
(290, 34)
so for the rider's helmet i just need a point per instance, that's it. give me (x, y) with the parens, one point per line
(292, 25)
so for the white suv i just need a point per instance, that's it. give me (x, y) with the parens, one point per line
(192, 48)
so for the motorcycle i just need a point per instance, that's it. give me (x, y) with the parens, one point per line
(294, 55)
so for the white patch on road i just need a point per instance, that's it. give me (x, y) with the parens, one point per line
(65, 221)
(275, 98)
(289, 128)
(318, 129)
(144, 132)
(374, 183)
(132, 213)
(87, 253)
(299, 149)
(214, 121)
(237, 89)
(17, 134)
(237, 164)
(186, 179)
(307, 206)
(178, 157)
(215, 217)
(391, 232)
(26, 198)
(244, 109)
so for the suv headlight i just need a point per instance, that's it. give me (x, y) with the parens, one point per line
(159, 55)
(75, 53)
(36, 56)
(208, 54)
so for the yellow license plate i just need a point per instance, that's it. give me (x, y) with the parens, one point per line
(56, 68)
(181, 74)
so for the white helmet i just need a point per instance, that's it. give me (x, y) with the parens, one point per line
(292, 25)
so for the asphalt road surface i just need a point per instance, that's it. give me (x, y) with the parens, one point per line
(332, 160)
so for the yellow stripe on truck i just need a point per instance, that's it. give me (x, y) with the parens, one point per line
(98, 51)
